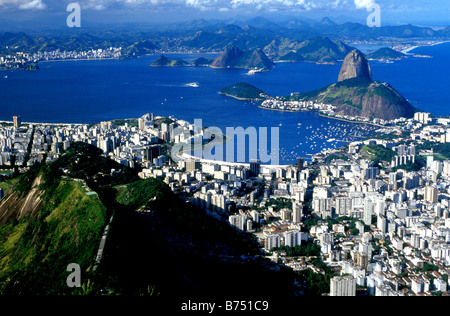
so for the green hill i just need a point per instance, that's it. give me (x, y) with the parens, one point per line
(173, 250)
(36, 249)
(359, 97)
(377, 153)
(243, 91)
(50, 219)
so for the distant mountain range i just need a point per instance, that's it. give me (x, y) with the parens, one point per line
(278, 40)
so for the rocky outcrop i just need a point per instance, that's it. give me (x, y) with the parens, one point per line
(355, 65)
(15, 206)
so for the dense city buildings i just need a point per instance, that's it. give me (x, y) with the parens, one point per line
(381, 228)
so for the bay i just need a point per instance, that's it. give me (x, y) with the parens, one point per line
(94, 91)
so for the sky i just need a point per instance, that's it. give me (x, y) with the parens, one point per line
(53, 12)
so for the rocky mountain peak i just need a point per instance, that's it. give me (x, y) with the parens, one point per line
(355, 65)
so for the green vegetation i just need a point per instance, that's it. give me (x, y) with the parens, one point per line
(426, 268)
(344, 92)
(122, 122)
(138, 194)
(318, 283)
(36, 250)
(25, 181)
(280, 203)
(416, 166)
(307, 249)
(64, 228)
(332, 157)
(84, 161)
(443, 149)
(360, 97)
(378, 153)
(243, 91)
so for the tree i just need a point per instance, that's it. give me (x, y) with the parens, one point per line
(354, 231)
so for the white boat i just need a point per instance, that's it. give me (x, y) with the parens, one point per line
(253, 71)
(193, 84)
(6, 77)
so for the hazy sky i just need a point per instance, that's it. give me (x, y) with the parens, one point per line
(420, 12)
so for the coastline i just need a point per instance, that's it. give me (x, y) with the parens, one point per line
(323, 115)
(237, 98)
(350, 121)
(410, 49)
(76, 59)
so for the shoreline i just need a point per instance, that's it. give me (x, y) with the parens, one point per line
(350, 121)
(76, 59)
(323, 115)
(410, 49)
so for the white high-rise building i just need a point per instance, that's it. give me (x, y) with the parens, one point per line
(292, 238)
(272, 241)
(446, 168)
(343, 286)
(417, 285)
(238, 221)
(422, 117)
(343, 206)
(297, 212)
(368, 211)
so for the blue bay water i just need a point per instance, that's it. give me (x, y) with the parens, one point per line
(93, 91)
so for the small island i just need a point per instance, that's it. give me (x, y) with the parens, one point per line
(244, 91)
(386, 54)
(201, 61)
(162, 61)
